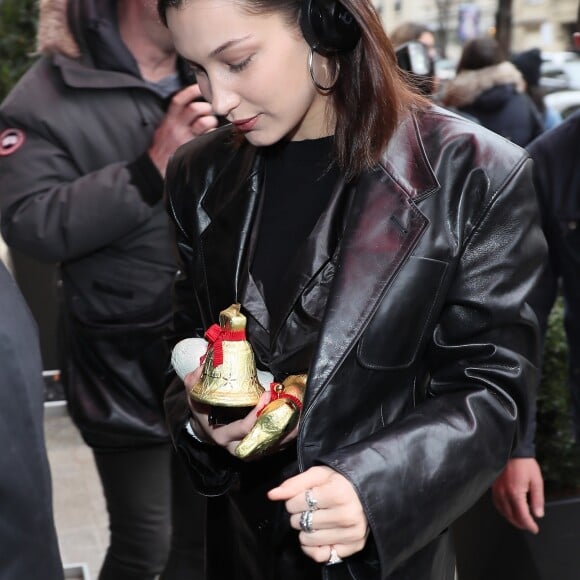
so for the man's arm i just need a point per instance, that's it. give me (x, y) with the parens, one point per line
(518, 493)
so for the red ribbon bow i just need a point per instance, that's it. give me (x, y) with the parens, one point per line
(276, 392)
(215, 335)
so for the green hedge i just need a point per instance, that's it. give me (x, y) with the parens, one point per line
(18, 22)
(557, 451)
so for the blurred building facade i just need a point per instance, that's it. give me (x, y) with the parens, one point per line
(546, 24)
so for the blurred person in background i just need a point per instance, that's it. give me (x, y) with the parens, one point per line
(28, 542)
(427, 83)
(518, 493)
(85, 137)
(406, 32)
(492, 89)
(414, 31)
(529, 62)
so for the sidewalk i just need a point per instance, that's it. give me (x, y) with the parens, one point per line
(79, 506)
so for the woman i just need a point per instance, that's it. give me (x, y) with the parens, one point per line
(492, 90)
(379, 244)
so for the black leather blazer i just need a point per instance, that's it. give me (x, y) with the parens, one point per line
(427, 349)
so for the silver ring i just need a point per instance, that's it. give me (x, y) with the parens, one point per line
(306, 521)
(310, 501)
(334, 558)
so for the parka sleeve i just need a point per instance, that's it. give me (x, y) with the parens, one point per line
(417, 475)
(52, 211)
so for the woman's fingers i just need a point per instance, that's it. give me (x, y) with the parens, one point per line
(229, 435)
(191, 378)
(294, 488)
(325, 508)
(322, 554)
(346, 516)
(327, 487)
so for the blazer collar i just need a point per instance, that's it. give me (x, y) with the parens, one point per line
(228, 210)
(383, 227)
(406, 162)
(311, 257)
(232, 209)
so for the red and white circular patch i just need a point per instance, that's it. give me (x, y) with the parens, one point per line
(10, 141)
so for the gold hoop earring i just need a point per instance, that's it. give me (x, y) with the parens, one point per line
(320, 87)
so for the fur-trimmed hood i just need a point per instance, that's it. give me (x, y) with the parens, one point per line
(469, 85)
(54, 34)
(85, 30)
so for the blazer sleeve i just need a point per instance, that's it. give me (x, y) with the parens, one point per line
(417, 475)
(211, 468)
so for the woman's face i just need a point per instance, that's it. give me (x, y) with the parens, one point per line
(253, 69)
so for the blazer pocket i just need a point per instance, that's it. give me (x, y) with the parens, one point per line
(396, 333)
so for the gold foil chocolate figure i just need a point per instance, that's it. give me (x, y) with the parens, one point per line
(229, 376)
(276, 419)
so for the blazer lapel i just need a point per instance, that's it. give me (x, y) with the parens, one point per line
(384, 225)
(313, 255)
(231, 205)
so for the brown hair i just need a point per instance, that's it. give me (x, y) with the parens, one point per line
(480, 53)
(371, 93)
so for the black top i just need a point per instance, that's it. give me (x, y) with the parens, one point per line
(298, 186)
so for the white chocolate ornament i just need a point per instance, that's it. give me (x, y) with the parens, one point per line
(186, 354)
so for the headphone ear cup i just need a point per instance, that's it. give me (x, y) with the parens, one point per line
(328, 27)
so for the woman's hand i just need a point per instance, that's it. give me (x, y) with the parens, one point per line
(227, 436)
(338, 521)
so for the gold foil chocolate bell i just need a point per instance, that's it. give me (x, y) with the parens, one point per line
(229, 377)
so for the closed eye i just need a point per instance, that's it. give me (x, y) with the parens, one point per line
(238, 67)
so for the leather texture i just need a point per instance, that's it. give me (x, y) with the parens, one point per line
(425, 349)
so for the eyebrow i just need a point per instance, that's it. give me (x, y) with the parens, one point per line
(227, 45)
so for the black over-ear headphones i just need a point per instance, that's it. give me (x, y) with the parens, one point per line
(328, 27)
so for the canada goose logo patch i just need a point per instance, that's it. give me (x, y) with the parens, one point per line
(10, 141)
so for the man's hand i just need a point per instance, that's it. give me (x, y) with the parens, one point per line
(185, 119)
(518, 493)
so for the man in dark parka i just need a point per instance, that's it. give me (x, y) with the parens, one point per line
(85, 136)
